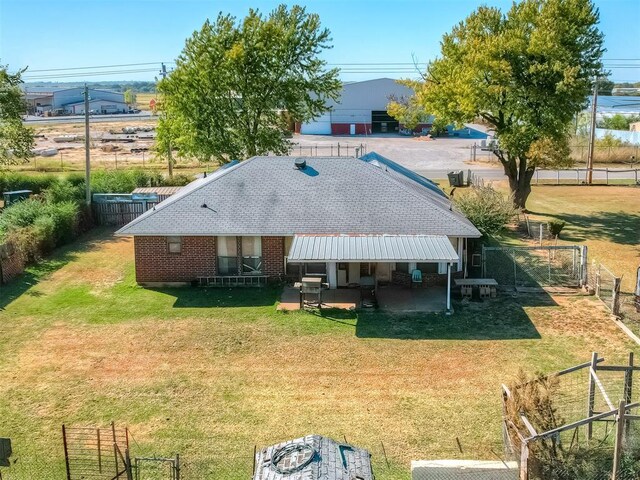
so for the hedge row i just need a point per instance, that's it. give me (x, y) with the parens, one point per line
(109, 181)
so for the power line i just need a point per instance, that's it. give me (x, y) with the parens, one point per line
(97, 66)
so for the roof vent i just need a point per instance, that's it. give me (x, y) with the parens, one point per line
(300, 163)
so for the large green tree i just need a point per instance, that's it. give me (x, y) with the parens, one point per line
(525, 73)
(16, 140)
(234, 80)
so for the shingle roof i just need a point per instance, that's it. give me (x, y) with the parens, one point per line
(313, 457)
(269, 196)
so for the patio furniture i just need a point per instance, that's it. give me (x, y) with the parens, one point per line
(487, 287)
(416, 277)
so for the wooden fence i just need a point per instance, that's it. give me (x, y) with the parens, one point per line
(118, 214)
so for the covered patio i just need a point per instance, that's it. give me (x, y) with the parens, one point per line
(346, 255)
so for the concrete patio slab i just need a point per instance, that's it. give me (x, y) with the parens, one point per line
(395, 298)
(346, 299)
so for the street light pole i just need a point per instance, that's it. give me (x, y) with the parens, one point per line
(87, 145)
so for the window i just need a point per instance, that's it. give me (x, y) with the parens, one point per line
(315, 268)
(175, 244)
(251, 255)
(427, 267)
(402, 267)
(227, 256)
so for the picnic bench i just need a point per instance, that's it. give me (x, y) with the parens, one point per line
(487, 287)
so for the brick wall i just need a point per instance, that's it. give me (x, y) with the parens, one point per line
(273, 256)
(154, 263)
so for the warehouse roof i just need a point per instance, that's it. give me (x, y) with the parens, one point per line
(270, 196)
(371, 248)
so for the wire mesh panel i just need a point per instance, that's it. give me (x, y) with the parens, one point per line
(99, 453)
(533, 266)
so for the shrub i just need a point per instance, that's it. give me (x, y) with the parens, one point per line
(489, 210)
(11, 181)
(64, 191)
(555, 227)
(124, 181)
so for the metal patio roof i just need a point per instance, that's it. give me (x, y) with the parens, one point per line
(371, 248)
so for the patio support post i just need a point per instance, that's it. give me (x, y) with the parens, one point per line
(448, 287)
(332, 275)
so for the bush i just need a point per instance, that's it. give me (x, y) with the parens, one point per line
(20, 181)
(124, 181)
(555, 227)
(489, 210)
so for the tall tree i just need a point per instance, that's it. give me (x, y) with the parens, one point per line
(407, 110)
(526, 73)
(233, 80)
(130, 97)
(16, 140)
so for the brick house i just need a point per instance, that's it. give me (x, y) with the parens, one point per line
(281, 217)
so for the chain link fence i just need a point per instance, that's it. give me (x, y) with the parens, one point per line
(192, 458)
(548, 266)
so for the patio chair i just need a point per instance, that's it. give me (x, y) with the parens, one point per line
(466, 291)
(416, 277)
(485, 291)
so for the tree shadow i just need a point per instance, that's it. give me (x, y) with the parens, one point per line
(34, 274)
(497, 319)
(618, 227)
(198, 297)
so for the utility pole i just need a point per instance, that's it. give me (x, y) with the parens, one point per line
(163, 74)
(87, 145)
(592, 132)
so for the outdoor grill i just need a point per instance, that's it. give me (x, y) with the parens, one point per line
(311, 291)
(313, 457)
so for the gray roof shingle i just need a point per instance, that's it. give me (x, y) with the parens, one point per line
(332, 195)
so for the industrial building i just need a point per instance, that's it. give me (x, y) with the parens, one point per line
(70, 101)
(361, 110)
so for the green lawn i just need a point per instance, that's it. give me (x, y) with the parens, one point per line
(211, 373)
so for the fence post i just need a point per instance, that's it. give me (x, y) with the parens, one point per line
(524, 461)
(540, 233)
(598, 281)
(628, 391)
(583, 265)
(617, 449)
(636, 174)
(615, 296)
(66, 450)
(592, 394)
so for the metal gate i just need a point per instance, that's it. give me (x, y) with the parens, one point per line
(99, 453)
(551, 266)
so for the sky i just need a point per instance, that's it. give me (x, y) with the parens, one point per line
(61, 34)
